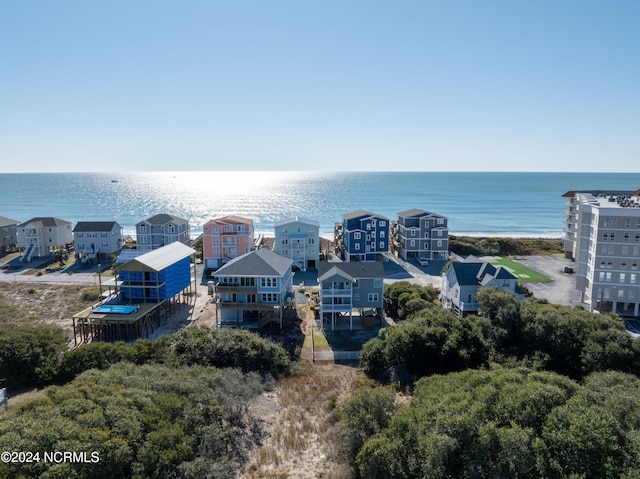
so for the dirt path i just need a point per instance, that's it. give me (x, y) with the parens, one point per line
(300, 439)
(298, 419)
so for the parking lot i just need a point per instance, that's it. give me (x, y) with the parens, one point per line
(562, 288)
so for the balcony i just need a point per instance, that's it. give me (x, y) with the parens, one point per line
(247, 306)
(235, 289)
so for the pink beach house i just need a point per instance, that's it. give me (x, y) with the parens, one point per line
(226, 238)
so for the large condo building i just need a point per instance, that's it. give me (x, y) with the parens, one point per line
(602, 235)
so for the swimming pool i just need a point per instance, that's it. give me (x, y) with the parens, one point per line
(115, 309)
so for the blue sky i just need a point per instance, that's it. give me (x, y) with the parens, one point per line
(499, 85)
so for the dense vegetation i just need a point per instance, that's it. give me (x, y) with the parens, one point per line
(435, 341)
(30, 354)
(508, 423)
(402, 299)
(147, 421)
(36, 355)
(569, 341)
(520, 415)
(466, 245)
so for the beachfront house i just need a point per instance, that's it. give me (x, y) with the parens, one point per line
(463, 279)
(299, 240)
(226, 238)
(348, 287)
(161, 230)
(95, 241)
(8, 235)
(362, 236)
(40, 236)
(253, 290)
(602, 236)
(157, 275)
(421, 234)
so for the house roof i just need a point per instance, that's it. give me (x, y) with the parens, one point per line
(418, 212)
(45, 221)
(261, 262)
(232, 219)
(94, 226)
(335, 271)
(163, 219)
(355, 269)
(7, 222)
(297, 219)
(473, 273)
(160, 258)
(361, 213)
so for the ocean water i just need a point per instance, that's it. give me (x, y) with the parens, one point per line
(476, 203)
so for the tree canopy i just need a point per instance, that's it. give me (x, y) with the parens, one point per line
(511, 423)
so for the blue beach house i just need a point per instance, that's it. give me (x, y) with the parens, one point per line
(156, 276)
(253, 290)
(362, 236)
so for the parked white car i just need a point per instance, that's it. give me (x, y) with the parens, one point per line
(423, 261)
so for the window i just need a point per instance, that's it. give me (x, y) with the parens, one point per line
(609, 264)
(627, 222)
(382, 223)
(357, 246)
(413, 242)
(625, 251)
(381, 234)
(285, 241)
(381, 244)
(626, 237)
(603, 264)
(439, 232)
(227, 228)
(215, 230)
(623, 277)
(357, 235)
(377, 283)
(426, 234)
(171, 228)
(413, 232)
(356, 296)
(634, 265)
(143, 228)
(312, 240)
(440, 221)
(368, 226)
(439, 243)
(632, 278)
(601, 276)
(637, 238)
(373, 297)
(608, 278)
(621, 294)
(216, 240)
(632, 295)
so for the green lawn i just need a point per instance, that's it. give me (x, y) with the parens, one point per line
(524, 274)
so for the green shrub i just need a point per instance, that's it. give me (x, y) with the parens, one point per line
(30, 353)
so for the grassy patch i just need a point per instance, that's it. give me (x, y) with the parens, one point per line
(524, 274)
(349, 340)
